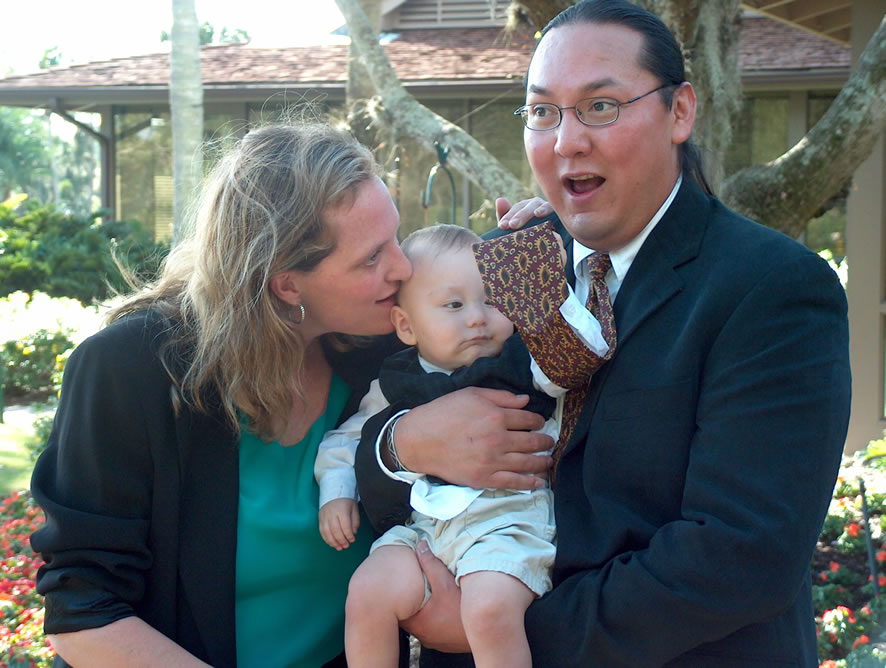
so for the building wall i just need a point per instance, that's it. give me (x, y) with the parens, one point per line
(866, 291)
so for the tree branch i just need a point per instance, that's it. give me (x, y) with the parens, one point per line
(411, 119)
(788, 191)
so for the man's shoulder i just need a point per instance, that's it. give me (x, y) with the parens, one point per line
(728, 231)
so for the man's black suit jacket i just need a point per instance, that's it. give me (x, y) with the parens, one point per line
(689, 500)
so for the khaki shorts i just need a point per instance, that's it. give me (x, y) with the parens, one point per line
(501, 531)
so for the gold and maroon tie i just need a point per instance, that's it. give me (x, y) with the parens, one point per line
(598, 302)
(523, 278)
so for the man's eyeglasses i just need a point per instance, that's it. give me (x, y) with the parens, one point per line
(593, 111)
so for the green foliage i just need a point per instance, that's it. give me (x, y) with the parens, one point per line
(207, 35)
(34, 363)
(47, 167)
(25, 154)
(36, 443)
(865, 657)
(51, 57)
(66, 255)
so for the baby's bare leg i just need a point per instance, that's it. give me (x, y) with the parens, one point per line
(492, 609)
(386, 588)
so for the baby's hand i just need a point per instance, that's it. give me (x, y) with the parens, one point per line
(339, 521)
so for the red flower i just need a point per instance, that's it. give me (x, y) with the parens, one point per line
(834, 566)
(853, 528)
(861, 640)
(830, 663)
(824, 576)
(881, 556)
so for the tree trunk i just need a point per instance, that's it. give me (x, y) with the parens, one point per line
(708, 32)
(186, 103)
(536, 12)
(360, 92)
(408, 118)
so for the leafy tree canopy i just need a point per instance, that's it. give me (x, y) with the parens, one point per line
(207, 35)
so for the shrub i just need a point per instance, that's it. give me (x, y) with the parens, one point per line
(36, 443)
(34, 363)
(64, 255)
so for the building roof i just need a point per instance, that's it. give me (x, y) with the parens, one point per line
(480, 60)
(768, 45)
(831, 18)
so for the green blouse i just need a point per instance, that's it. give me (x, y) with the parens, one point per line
(291, 586)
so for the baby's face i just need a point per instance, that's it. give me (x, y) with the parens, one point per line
(447, 311)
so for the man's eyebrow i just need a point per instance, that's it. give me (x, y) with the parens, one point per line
(589, 87)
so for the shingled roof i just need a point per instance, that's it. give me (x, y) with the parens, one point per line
(472, 58)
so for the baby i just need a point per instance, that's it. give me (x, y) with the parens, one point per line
(499, 544)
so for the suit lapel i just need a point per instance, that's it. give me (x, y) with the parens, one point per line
(653, 278)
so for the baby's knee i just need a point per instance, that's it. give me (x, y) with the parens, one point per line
(364, 591)
(490, 615)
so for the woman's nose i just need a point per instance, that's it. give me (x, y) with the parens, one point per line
(401, 269)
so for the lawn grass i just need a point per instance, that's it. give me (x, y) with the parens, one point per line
(15, 464)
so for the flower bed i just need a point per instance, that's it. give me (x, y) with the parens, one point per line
(21, 608)
(849, 617)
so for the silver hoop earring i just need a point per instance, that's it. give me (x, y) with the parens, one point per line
(301, 309)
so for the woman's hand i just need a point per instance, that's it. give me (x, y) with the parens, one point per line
(339, 520)
(515, 217)
(438, 624)
(475, 437)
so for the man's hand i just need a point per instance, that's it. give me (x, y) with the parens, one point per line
(438, 624)
(515, 217)
(475, 437)
(339, 521)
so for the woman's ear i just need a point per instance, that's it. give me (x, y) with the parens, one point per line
(285, 286)
(402, 326)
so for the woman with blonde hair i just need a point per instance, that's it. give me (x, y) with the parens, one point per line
(178, 480)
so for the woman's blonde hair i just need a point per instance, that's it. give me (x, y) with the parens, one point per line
(232, 341)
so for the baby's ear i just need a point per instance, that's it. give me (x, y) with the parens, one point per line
(402, 326)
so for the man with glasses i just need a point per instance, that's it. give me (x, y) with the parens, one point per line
(691, 495)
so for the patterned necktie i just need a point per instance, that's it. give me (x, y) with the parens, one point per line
(523, 278)
(598, 302)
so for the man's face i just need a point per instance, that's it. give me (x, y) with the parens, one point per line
(604, 182)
